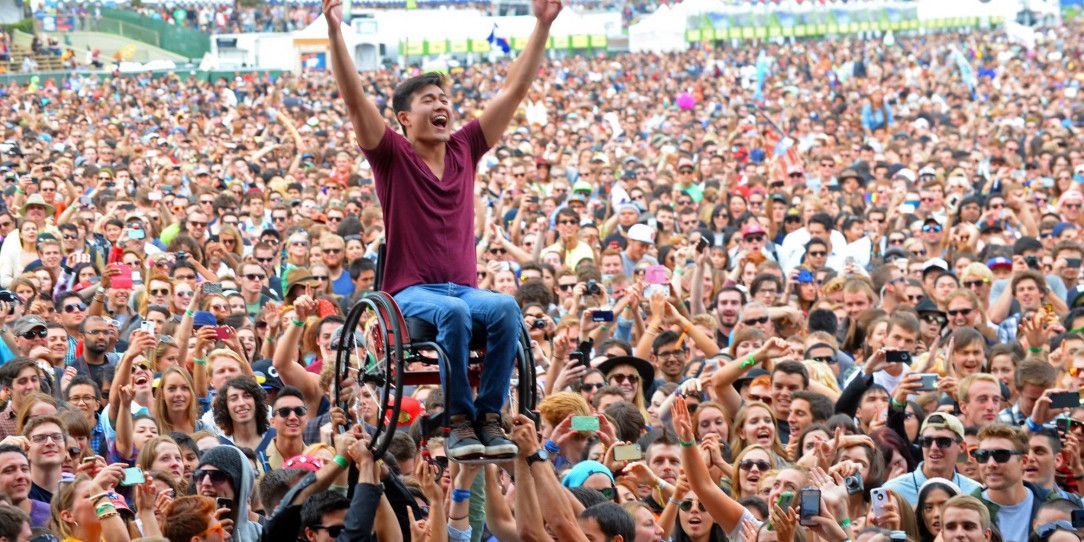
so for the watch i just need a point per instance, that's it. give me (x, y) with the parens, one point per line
(539, 455)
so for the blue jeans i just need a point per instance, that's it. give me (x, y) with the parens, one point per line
(452, 308)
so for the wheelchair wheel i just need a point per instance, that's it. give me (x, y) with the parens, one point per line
(379, 333)
(527, 378)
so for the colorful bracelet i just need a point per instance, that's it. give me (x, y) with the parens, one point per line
(199, 361)
(298, 323)
(897, 404)
(341, 461)
(188, 312)
(845, 523)
(1035, 349)
(749, 362)
(460, 495)
(687, 444)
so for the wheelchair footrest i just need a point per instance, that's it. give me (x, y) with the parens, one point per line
(484, 460)
(423, 378)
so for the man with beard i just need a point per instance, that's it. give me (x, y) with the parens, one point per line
(15, 484)
(941, 439)
(728, 303)
(98, 341)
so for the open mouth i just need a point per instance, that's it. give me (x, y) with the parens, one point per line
(695, 521)
(764, 434)
(141, 381)
(440, 121)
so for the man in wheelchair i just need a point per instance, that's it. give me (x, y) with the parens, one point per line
(425, 183)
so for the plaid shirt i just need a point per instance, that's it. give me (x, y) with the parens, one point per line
(8, 423)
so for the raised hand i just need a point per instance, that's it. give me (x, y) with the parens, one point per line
(333, 12)
(545, 11)
(682, 421)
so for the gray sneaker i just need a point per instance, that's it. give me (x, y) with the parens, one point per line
(497, 445)
(463, 443)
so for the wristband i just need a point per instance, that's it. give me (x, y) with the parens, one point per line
(298, 323)
(603, 327)
(465, 516)
(199, 361)
(688, 444)
(749, 362)
(845, 523)
(188, 312)
(460, 495)
(341, 461)
(1035, 349)
(1032, 426)
(551, 447)
(269, 339)
(896, 403)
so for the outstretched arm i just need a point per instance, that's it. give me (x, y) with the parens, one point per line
(368, 124)
(499, 111)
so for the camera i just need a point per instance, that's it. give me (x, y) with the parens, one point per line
(853, 484)
(1032, 262)
(592, 288)
(539, 324)
(7, 296)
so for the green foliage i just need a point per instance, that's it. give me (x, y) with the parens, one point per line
(25, 25)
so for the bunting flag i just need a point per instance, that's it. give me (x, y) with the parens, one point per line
(500, 43)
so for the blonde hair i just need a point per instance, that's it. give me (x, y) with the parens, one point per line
(965, 384)
(160, 410)
(558, 406)
(737, 442)
(64, 500)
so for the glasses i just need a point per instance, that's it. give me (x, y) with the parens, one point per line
(998, 205)
(959, 312)
(334, 219)
(686, 505)
(1000, 456)
(35, 334)
(934, 319)
(919, 252)
(1046, 530)
(265, 260)
(892, 241)
(563, 223)
(75, 308)
(497, 250)
(824, 359)
(566, 287)
(332, 530)
(1071, 205)
(621, 378)
(591, 387)
(74, 452)
(254, 276)
(216, 476)
(284, 412)
(766, 399)
(760, 464)
(931, 228)
(817, 254)
(40, 438)
(67, 236)
(185, 277)
(320, 278)
(752, 238)
(197, 224)
(331, 250)
(973, 283)
(941, 442)
(83, 399)
(671, 353)
(278, 219)
(755, 321)
(185, 293)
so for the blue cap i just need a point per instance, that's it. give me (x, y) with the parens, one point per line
(1075, 295)
(203, 318)
(582, 471)
(1060, 228)
(998, 261)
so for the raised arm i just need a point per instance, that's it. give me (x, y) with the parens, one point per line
(724, 509)
(499, 111)
(285, 360)
(363, 114)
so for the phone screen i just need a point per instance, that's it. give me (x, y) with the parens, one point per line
(809, 506)
(585, 423)
(133, 476)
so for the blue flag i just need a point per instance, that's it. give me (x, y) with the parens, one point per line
(500, 43)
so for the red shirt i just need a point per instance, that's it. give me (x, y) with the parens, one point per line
(429, 222)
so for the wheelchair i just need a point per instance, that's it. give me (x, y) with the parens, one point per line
(387, 344)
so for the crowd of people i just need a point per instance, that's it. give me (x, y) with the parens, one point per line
(822, 291)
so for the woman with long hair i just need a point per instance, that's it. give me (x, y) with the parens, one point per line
(749, 467)
(175, 405)
(80, 512)
(755, 424)
(19, 255)
(933, 493)
(164, 455)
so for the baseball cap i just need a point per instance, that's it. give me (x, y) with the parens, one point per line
(906, 173)
(27, 323)
(752, 229)
(582, 186)
(935, 263)
(1074, 297)
(642, 233)
(927, 171)
(999, 261)
(940, 420)
(267, 375)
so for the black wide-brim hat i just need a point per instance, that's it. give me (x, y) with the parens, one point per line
(642, 366)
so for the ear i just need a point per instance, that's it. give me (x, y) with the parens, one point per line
(404, 118)
(1059, 460)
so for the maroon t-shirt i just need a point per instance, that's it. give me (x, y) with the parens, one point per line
(428, 222)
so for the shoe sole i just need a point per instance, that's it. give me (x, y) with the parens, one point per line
(467, 452)
(501, 450)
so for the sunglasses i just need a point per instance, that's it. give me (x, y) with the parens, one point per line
(686, 505)
(217, 476)
(760, 464)
(941, 442)
(254, 276)
(973, 283)
(817, 254)
(755, 321)
(332, 530)
(959, 312)
(566, 287)
(75, 308)
(331, 250)
(1000, 456)
(265, 260)
(74, 452)
(591, 387)
(284, 412)
(824, 359)
(931, 228)
(35, 334)
(560, 222)
(621, 378)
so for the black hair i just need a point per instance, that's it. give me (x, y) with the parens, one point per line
(794, 368)
(404, 92)
(587, 496)
(289, 391)
(824, 219)
(612, 520)
(1025, 244)
(183, 441)
(820, 407)
(627, 420)
(324, 502)
(823, 320)
(249, 386)
(83, 380)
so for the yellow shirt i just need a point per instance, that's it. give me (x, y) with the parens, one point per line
(582, 251)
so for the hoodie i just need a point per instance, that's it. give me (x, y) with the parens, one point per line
(232, 461)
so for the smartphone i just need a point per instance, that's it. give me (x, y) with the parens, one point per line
(585, 423)
(656, 274)
(90, 459)
(223, 502)
(785, 499)
(1078, 518)
(702, 245)
(133, 476)
(1068, 399)
(122, 280)
(147, 326)
(154, 196)
(211, 288)
(137, 234)
(878, 496)
(809, 506)
(897, 356)
(907, 208)
(577, 358)
(805, 276)
(223, 333)
(602, 316)
(628, 452)
(929, 381)
(86, 200)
